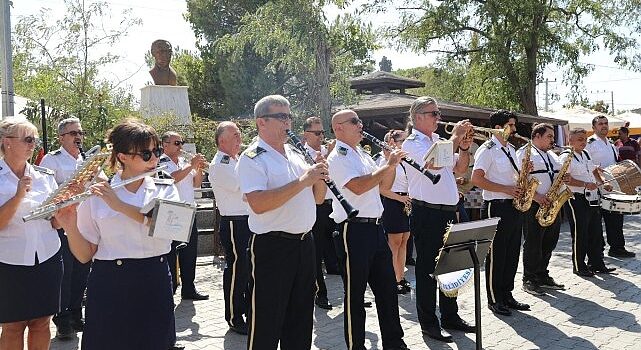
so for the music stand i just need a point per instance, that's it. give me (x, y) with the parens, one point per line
(465, 243)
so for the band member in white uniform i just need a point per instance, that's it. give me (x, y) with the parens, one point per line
(604, 154)
(583, 211)
(30, 259)
(64, 162)
(496, 172)
(233, 228)
(187, 175)
(282, 191)
(434, 206)
(129, 286)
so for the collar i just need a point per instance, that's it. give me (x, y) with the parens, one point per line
(64, 151)
(4, 167)
(147, 183)
(421, 135)
(498, 142)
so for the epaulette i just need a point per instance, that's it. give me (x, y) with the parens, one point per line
(164, 160)
(489, 144)
(43, 170)
(253, 153)
(411, 137)
(611, 142)
(591, 139)
(566, 151)
(342, 150)
(166, 182)
(224, 160)
(55, 153)
(162, 174)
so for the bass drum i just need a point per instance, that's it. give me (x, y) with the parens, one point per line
(621, 203)
(624, 176)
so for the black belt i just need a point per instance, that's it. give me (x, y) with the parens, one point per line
(287, 235)
(591, 203)
(235, 217)
(376, 221)
(502, 200)
(401, 193)
(444, 207)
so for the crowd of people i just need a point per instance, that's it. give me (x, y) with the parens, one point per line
(282, 229)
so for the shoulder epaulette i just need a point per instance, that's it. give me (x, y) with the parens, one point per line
(342, 150)
(253, 153)
(411, 137)
(611, 142)
(224, 160)
(55, 153)
(591, 139)
(43, 170)
(489, 143)
(166, 182)
(566, 151)
(162, 174)
(164, 160)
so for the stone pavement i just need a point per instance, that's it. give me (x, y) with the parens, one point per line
(597, 313)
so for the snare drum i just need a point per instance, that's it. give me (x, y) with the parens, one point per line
(621, 203)
(624, 176)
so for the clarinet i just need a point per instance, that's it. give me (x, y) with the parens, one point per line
(82, 151)
(434, 178)
(351, 212)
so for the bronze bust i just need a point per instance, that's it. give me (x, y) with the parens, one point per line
(162, 73)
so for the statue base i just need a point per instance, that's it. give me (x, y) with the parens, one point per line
(166, 100)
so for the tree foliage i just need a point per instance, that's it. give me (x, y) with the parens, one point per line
(513, 41)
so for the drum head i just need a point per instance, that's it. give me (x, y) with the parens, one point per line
(624, 176)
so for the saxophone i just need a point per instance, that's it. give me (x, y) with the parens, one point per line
(526, 183)
(547, 214)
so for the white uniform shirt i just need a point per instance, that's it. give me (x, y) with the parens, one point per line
(186, 185)
(224, 182)
(400, 180)
(420, 187)
(118, 236)
(21, 241)
(580, 168)
(312, 153)
(539, 160)
(492, 158)
(346, 163)
(261, 168)
(62, 163)
(603, 152)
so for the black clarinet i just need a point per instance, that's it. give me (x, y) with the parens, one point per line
(434, 178)
(351, 212)
(82, 151)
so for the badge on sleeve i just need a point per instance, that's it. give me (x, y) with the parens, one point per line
(342, 150)
(224, 160)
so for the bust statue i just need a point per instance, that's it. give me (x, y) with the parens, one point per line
(162, 73)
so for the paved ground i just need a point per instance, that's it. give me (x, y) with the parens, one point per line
(598, 313)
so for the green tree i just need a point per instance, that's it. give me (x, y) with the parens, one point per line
(513, 41)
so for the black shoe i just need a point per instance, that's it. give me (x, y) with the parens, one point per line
(533, 288)
(367, 304)
(584, 273)
(549, 283)
(401, 289)
(195, 296)
(621, 253)
(410, 262)
(77, 324)
(64, 330)
(438, 333)
(323, 303)
(603, 269)
(405, 283)
(499, 309)
(177, 347)
(511, 303)
(240, 328)
(459, 325)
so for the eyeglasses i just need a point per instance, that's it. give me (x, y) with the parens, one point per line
(27, 139)
(433, 113)
(75, 133)
(177, 143)
(353, 120)
(146, 154)
(279, 116)
(317, 133)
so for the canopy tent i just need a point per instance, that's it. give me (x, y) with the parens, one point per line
(581, 117)
(633, 120)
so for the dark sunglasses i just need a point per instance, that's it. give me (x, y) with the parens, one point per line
(279, 116)
(353, 120)
(146, 154)
(433, 113)
(317, 133)
(178, 143)
(75, 133)
(27, 139)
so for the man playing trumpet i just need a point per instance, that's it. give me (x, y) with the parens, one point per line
(187, 176)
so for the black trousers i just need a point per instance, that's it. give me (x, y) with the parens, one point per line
(538, 245)
(613, 229)
(281, 289)
(503, 257)
(234, 236)
(367, 259)
(187, 260)
(74, 283)
(324, 244)
(428, 227)
(586, 231)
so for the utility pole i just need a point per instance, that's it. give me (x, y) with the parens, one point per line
(6, 60)
(547, 94)
(612, 101)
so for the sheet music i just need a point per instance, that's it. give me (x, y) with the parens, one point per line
(442, 152)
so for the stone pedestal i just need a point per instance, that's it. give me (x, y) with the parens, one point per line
(165, 100)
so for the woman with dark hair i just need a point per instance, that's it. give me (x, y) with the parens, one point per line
(129, 293)
(30, 260)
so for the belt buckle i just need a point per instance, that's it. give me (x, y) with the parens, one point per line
(378, 221)
(302, 237)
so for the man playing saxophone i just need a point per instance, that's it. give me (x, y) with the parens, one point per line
(496, 172)
(540, 241)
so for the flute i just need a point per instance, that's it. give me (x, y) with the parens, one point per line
(351, 212)
(434, 178)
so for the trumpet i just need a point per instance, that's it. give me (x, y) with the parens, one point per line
(189, 156)
(485, 133)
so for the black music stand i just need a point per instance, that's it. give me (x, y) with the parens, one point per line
(464, 245)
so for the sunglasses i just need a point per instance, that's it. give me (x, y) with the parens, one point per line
(317, 133)
(279, 116)
(75, 133)
(433, 113)
(353, 120)
(146, 154)
(27, 139)
(177, 143)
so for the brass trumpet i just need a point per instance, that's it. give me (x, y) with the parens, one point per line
(189, 156)
(479, 132)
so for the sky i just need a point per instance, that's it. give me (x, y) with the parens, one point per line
(164, 20)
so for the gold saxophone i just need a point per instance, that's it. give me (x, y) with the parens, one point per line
(547, 214)
(526, 183)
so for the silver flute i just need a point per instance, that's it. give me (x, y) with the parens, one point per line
(47, 211)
